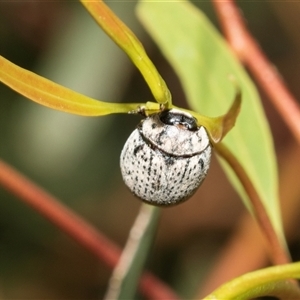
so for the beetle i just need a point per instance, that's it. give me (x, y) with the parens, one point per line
(166, 158)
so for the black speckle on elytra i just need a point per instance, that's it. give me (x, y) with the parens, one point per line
(137, 149)
(170, 161)
(201, 162)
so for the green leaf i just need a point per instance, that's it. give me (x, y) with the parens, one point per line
(204, 63)
(53, 95)
(130, 44)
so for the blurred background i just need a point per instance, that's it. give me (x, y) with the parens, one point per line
(77, 158)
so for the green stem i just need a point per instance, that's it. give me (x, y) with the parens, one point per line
(125, 278)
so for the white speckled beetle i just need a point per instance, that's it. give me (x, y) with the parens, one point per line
(166, 158)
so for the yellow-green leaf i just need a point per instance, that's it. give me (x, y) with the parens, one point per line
(53, 95)
(272, 281)
(130, 44)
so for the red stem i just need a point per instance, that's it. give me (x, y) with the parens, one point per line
(262, 69)
(279, 255)
(74, 226)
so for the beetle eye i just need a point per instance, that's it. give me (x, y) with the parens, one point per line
(173, 118)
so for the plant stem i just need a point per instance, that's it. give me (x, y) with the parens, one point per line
(74, 226)
(278, 253)
(125, 277)
(263, 70)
